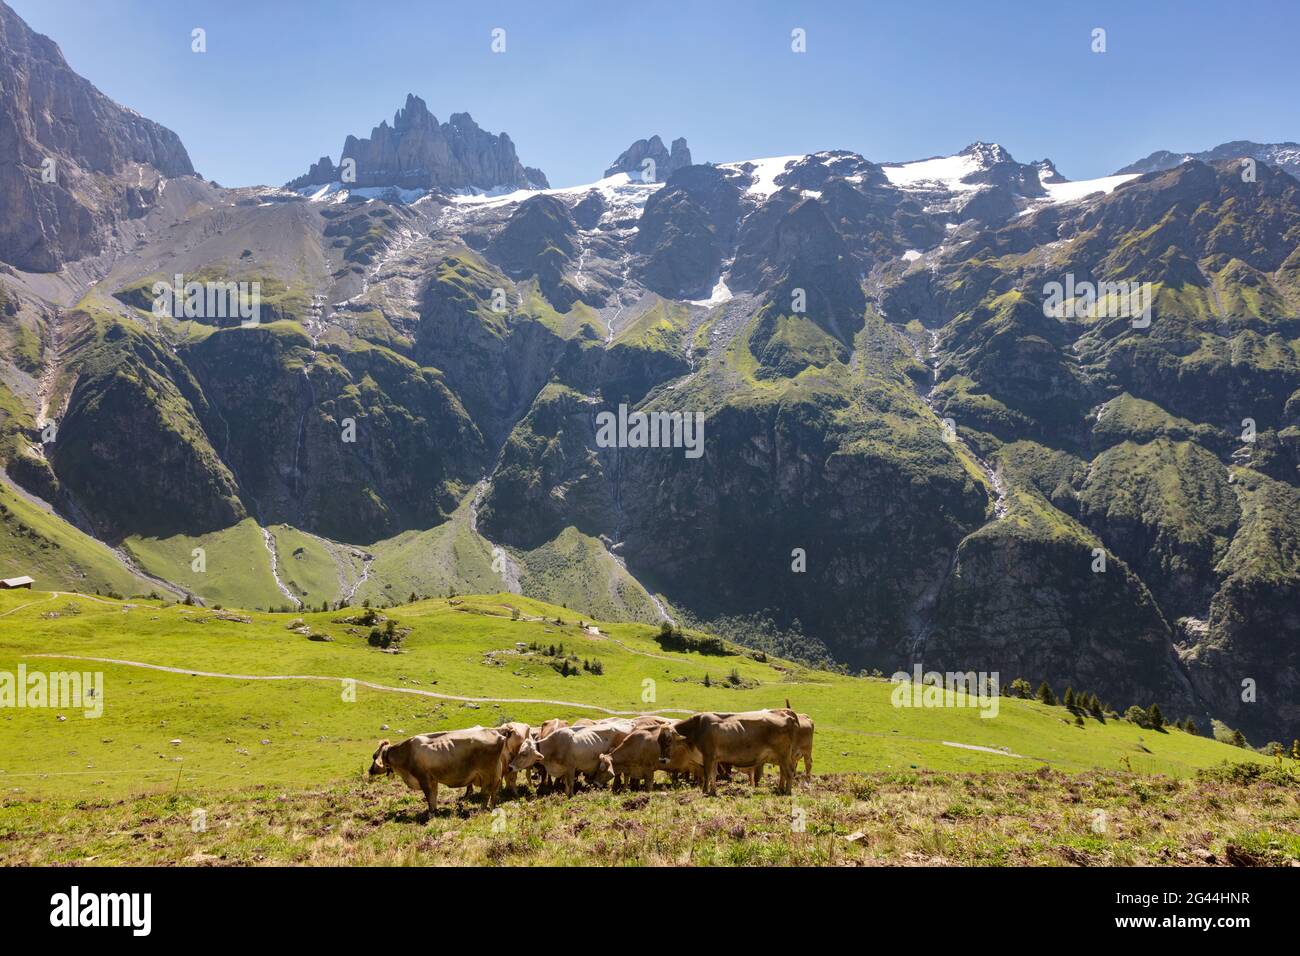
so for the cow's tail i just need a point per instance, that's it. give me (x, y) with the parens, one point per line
(787, 704)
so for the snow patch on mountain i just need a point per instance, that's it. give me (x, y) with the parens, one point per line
(939, 172)
(719, 295)
(1071, 191)
(763, 173)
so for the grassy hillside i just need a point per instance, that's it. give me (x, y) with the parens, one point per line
(461, 648)
(37, 543)
(279, 763)
(313, 568)
(237, 565)
(449, 557)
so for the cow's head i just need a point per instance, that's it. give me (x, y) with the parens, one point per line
(377, 763)
(528, 755)
(604, 771)
(675, 751)
(670, 743)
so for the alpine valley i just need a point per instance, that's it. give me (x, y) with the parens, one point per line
(906, 457)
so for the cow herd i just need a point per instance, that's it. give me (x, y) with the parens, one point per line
(618, 750)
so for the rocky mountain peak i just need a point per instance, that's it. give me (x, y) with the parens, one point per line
(418, 152)
(987, 154)
(415, 115)
(666, 162)
(1047, 172)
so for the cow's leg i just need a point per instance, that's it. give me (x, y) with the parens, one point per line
(807, 764)
(569, 779)
(710, 774)
(431, 795)
(787, 775)
(493, 789)
(755, 774)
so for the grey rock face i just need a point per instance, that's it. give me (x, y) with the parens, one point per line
(49, 114)
(632, 160)
(418, 152)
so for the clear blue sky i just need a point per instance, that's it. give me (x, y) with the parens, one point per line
(283, 82)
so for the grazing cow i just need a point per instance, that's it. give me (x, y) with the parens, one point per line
(455, 758)
(803, 750)
(651, 720)
(547, 728)
(519, 732)
(616, 728)
(569, 751)
(742, 740)
(641, 753)
(635, 759)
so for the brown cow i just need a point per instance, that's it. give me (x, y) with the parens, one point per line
(570, 751)
(641, 753)
(742, 740)
(651, 721)
(803, 749)
(548, 727)
(636, 759)
(455, 758)
(519, 732)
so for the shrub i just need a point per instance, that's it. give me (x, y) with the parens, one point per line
(1136, 715)
(674, 639)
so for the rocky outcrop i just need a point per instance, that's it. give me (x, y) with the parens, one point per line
(538, 240)
(72, 162)
(418, 152)
(686, 230)
(1283, 155)
(663, 163)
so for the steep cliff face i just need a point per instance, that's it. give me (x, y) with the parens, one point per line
(72, 162)
(418, 152)
(686, 231)
(132, 452)
(357, 443)
(1022, 598)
